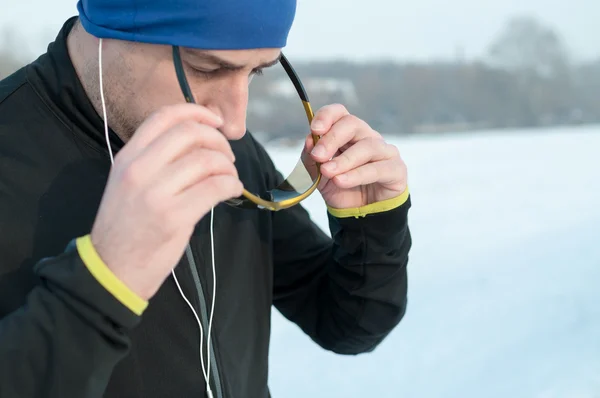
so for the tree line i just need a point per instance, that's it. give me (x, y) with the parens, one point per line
(526, 79)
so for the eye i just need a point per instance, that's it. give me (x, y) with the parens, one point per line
(206, 72)
(257, 72)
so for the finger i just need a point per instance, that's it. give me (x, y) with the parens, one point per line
(364, 151)
(309, 163)
(385, 172)
(349, 129)
(186, 136)
(306, 157)
(326, 117)
(176, 143)
(194, 202)
(192, 168)
(164, 119)
(309, 143)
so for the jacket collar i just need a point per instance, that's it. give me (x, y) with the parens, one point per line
(55, 80)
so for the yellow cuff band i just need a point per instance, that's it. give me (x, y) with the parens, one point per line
(106, 278)
(377, 207)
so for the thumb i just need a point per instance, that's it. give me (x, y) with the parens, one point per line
(309, 162)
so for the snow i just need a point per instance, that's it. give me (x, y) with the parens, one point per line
(504, 276)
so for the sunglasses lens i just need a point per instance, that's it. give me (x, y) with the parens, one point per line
(300, 181)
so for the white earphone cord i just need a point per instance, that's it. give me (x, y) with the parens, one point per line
(205, 371)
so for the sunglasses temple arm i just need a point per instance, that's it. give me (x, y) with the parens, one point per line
(183, 83)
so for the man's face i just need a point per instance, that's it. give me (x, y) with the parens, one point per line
(141, 78)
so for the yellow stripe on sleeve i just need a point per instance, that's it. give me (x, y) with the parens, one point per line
(106, 278)
(377, 207)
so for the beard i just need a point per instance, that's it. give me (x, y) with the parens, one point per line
(122, 110)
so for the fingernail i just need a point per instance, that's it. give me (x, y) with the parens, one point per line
(217, 118)
(318, 151)
(342, 177)
(318, 125)
(331, 166)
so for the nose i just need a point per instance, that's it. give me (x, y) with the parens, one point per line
(232, 101)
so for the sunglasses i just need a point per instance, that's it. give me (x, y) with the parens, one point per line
(303, 179)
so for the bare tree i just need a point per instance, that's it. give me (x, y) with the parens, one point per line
(525, 44)
(539, 60)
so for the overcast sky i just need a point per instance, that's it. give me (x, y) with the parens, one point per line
(405, 30)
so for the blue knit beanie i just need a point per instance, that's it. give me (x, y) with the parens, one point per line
(202, 24)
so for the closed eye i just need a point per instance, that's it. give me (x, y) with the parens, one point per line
(219, 71)
(209, 72)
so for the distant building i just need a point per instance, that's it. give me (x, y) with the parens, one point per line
(317, 87)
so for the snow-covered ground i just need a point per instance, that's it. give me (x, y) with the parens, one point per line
(504, 277)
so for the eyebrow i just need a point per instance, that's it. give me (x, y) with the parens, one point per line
(204, 56)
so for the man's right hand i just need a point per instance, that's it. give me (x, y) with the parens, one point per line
(175, 168)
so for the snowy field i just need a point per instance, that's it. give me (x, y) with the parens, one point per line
(504, 277)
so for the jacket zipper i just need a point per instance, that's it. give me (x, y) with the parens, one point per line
(204, 319)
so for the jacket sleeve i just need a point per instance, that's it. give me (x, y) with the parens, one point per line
(72, 331)
(346, 291)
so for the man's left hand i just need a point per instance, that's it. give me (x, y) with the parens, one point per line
(359, 168)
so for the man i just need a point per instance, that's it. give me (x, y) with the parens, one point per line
(114, 314)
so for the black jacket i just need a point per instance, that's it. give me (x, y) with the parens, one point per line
(63, 335)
